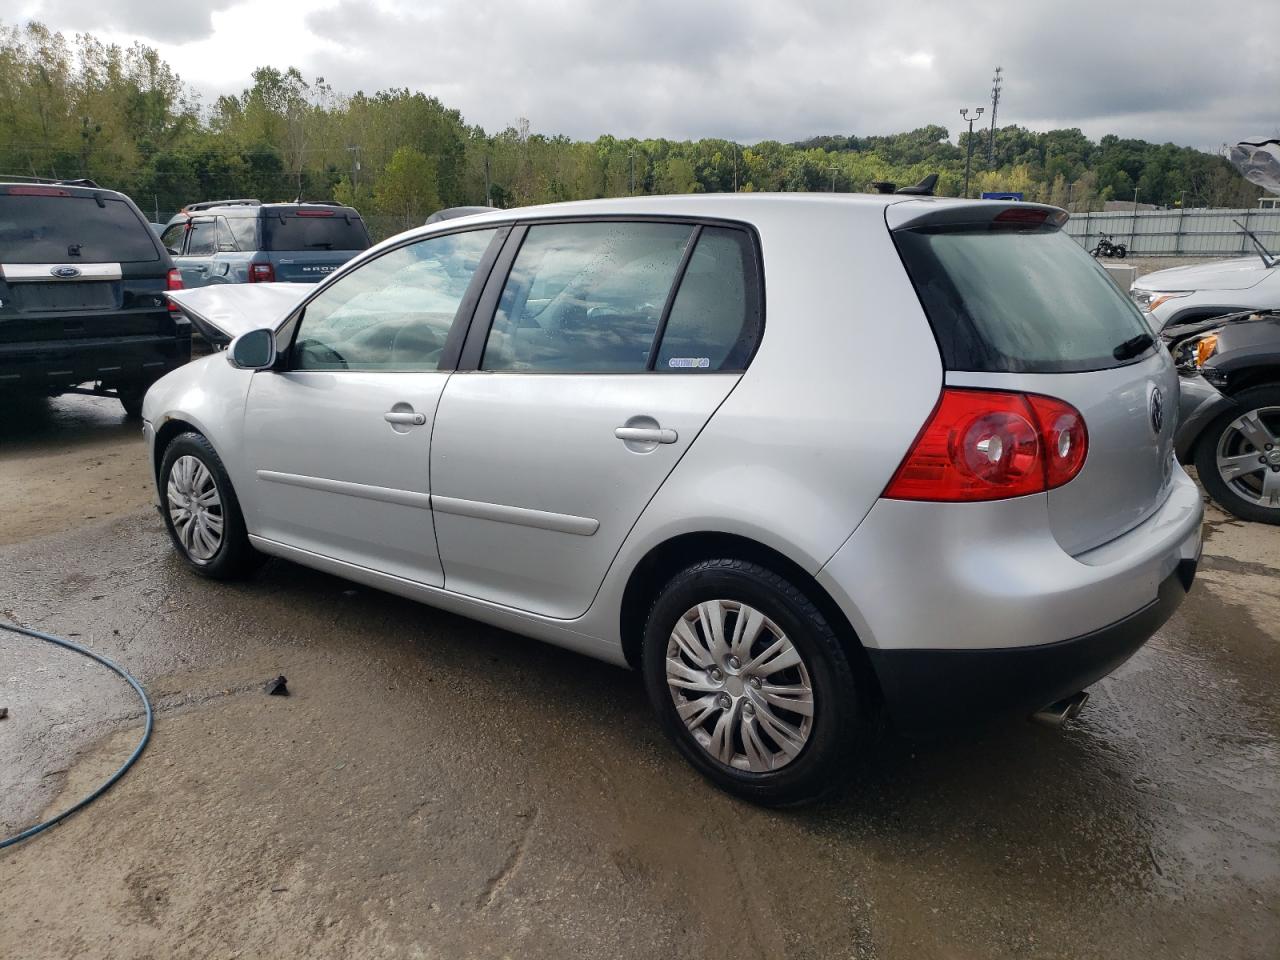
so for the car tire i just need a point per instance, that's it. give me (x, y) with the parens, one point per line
(1222, 448)
(201, 511)
(131, 399)
(756, 749)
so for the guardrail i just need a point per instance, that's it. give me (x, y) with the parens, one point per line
(1179, 233)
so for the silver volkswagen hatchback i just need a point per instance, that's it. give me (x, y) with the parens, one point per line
(801, 460)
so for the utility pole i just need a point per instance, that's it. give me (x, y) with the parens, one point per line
(488, 188)
(735, 166)
(968, 157)
(833, 168)
(996, 83)
(632, 157)
(354, 150)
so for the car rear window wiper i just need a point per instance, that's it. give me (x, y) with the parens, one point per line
(1133, 346)
(323, 244)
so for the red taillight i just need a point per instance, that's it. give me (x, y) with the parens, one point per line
(173, 282)
(1028, 217)
(989, 445)
(261, 273)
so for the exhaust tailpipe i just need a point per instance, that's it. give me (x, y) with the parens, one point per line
(1057, 715)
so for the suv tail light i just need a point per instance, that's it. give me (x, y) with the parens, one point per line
(989, 445)
(261, 273)
(173, 282)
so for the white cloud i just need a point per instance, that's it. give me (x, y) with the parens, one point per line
(750, 69)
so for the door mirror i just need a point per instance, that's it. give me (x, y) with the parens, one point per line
(255, 350)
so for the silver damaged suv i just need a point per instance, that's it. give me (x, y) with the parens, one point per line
(800, 459)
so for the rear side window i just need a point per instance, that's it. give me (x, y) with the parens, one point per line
(586, 297)
(715, 321)
(314, 230)
(57, 227)
(225, 240)
(1018, 301)
(245, 232)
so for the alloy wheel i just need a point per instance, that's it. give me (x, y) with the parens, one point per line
(1248, 457)
(195, 508)
(740, 686)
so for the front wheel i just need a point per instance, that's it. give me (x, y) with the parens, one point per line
(201, 511)
(1238, 457)
(752, 684)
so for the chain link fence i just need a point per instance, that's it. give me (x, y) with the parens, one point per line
(1179, 233)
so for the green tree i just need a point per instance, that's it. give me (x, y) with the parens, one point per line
(407, 188)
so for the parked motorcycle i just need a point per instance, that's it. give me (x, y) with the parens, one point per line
(1107, 247)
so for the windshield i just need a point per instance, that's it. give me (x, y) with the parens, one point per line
(314, 230)
(65, 228)
(1020, 301)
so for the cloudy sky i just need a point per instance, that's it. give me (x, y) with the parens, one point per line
(1192, 72)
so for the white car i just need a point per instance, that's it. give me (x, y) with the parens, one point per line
(797, 458)
(1189, 294)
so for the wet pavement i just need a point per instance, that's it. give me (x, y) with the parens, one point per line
(439, 788)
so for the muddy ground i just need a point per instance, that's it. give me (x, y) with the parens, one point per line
(436, 788)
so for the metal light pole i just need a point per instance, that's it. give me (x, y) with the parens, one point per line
(968, 157)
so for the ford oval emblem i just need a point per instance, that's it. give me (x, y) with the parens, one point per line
(1157, 410)
(65, 273)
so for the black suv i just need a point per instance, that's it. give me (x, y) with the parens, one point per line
(82, 294)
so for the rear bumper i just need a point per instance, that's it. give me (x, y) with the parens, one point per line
(963, 595)
(47, 365)
(928, 691)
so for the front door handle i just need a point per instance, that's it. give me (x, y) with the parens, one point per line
(646, 434)
(405, 417)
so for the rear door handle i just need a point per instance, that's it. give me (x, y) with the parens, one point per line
(646, 434)
(405, 417)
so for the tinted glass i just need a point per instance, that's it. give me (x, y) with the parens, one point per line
(715, 320)
(35, 229)
(202, 239)
(245, 231)
(393, 313)
(1018, 301)
(172, 237)
(326, 231)
(585, 297)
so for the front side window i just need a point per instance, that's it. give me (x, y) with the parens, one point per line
(203, 239)
(394, 312)
(585, 297)
(172, 238)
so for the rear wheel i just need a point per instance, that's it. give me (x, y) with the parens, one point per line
(201, 511)
(751, 683)
(1238, 457)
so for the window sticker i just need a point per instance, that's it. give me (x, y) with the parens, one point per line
(689, 362)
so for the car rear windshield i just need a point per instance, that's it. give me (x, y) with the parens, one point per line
(62, 228)
(314, 230)
(1020, 301)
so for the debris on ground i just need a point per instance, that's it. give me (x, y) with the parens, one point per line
(277, 688)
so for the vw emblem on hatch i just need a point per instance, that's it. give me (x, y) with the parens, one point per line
(65, 273)
(1157, 410)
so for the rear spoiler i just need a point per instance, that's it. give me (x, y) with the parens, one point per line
(942, 212)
